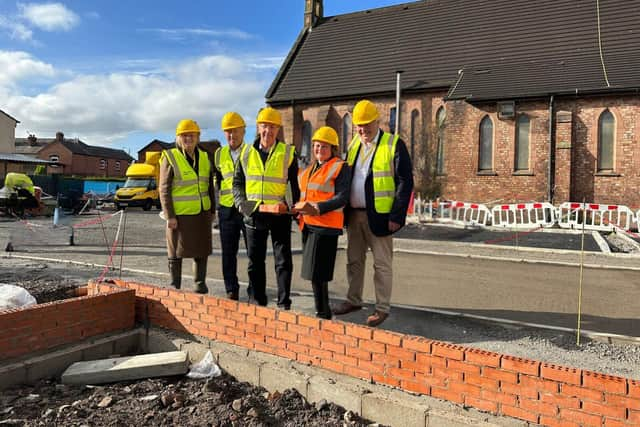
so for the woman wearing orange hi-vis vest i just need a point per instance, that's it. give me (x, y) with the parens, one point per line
(324, 191)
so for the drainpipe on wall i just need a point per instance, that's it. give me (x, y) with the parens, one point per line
(397, 130)
(552, 153)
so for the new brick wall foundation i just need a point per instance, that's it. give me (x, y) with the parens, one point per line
(526, 389)
(45, 326)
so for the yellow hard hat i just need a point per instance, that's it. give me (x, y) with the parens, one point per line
(269, 115)
(326, 134)
(232, 120)
(187, 126)
(365, 112)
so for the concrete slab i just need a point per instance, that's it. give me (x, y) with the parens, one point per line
(341, 394)
(51, 364)
(275, 378)
(127, 368)
(13, 374)
(385, 410)
(243, 368)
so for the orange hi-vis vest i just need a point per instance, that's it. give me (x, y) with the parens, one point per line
(319, 186)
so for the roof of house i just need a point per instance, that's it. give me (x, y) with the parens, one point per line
(75, 146)
(21, 158)
(12, 118)
(163, 144)
(476, 49)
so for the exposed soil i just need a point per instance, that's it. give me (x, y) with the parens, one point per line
(38, 279)
(176, 401)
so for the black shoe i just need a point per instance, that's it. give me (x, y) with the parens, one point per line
(284, 307)
(233, 296)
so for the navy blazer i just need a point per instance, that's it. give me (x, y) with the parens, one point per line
(403, 177)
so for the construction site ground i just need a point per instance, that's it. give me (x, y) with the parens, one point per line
(42, 251)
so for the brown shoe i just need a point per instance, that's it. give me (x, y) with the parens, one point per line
(377, 318)
(344, 308)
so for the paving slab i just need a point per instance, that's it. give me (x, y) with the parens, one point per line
(127, 368)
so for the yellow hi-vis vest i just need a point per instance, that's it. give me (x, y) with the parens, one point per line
(224, 163)
(189, 190)
(384, 186)
(267, 183)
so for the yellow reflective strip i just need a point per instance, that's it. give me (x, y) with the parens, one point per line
(227, 175)
(253, 177)
(226, 192)
(383, 194)
(274, 180)
(185, 198)
(185, 182)
(174, 163)
(382, 174)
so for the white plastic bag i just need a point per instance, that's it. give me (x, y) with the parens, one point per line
(206, 368)
(12, 296)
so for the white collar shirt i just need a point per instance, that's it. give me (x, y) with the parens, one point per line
(360, 171)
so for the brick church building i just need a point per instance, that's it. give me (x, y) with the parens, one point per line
(501, 101)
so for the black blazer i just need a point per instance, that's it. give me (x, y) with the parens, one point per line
(403, 177)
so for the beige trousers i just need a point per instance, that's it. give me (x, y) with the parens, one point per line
(360, 239)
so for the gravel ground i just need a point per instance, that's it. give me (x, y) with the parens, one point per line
(179, 401)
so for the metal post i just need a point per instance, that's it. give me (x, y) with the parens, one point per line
(397, 129)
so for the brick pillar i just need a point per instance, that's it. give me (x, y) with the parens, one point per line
(564, 141)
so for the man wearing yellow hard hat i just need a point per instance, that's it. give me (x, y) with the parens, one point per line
(229, 218)
(188, 204)
(381, 186)
(262, 175)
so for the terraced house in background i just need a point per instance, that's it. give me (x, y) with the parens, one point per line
(502, 101)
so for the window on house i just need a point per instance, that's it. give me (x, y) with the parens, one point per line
(523, 125)
(485, 157)
(117, 166)
(103, 164)
(415, 115)
(347, 132)
(441, 115)
(305, 149)
(392, 119)
(606, 128)
(54, 157)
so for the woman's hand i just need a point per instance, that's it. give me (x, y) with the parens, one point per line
(172, 223)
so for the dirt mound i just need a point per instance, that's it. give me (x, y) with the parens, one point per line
(221, 401)
(38, 279)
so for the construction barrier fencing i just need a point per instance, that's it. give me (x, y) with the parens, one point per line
(595, 216)
(465, 213)
(524, 215)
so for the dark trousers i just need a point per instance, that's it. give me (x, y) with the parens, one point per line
(280, 228)
(231, 226)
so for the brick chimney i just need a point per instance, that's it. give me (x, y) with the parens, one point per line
(313, 11)
(59, 136)
(32, 139)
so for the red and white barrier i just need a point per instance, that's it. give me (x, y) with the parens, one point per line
(524, 215)
(465, 213)
(595, 216)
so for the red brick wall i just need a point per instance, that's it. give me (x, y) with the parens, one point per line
(576, 176)
(526, 389)
(76, 164)
(45, 326)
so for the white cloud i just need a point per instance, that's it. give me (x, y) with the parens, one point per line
(104, 108)
(184, 33)
(49, 16)
(15, 29)
(17, 66)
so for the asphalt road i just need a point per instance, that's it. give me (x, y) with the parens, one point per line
(539, 286)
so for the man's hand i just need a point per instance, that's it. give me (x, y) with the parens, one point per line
(172, 223)
(394, 226)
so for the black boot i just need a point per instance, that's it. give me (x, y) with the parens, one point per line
(175, 269)
(321, 299)
(200, 275)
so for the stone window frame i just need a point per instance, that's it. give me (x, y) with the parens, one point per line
(415, 130)
(491, 170)
(347, 132)
(54, 158)
(305, 145)
(520, 170)
(441, 122)
(117, 166)
(599, 167)
(103, 164)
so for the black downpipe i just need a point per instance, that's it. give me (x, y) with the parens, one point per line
(552, 152)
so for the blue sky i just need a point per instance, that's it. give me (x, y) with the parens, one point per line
(121, 73)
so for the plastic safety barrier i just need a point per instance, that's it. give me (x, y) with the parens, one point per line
(524, 215)
(595, 216)
(466, 213)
